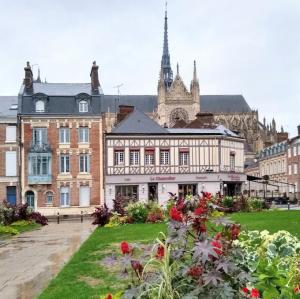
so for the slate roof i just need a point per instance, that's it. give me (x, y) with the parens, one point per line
(148, 103)
(138, 122)
(62, 89)
(5, 105)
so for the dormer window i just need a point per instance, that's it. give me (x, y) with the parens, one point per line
(83, 106)
(39, 106)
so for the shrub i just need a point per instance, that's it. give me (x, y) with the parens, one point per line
(101, 215)
(119, 205)
(21, 223)
(227, 202)
(4, 229)
(255, 204)
(39, 218)
(137, 211)
(114, 220)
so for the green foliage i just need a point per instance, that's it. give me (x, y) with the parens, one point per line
(227, 201)
(5, 229)
(114, 220)
(21, 223)
(255, 204)
(137, 211)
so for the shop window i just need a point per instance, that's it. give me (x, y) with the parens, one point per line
(134, 157)
(128, 192)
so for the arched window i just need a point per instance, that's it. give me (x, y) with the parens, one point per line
(39, 106)
(49, 198)
(83, 106)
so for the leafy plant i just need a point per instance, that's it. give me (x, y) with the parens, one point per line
(21, 223)
(255, 204)
(119, 205)
(101, 215)
(4, 229)
(137, 211)
(227, 202)
(38, 218)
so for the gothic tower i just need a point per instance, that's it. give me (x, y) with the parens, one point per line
(174, 101)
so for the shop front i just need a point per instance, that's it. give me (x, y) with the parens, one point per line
(158, 187)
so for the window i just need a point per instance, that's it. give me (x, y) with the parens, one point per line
(164, 157)
(84, 163)
(290, 169)
(83, 106)
(295, 168)
(65, 196)
(39, 136)
(83, 135)
(289, 152)
(64, 163)
(134, 157)
(149, 157)
(129, 192)
(11, 133)
(183, 158)
(11, 163)
(49, 198)
(64, 135)
(119, 157)
(232, 161)
(39, 106)
(39, 164)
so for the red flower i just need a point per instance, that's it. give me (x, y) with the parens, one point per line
(137, 267)
(160, 252)
(255, 293)
(297, 289)
(202, 228)
(207, 195)
(218, 236)
(235, 231)
(199, 211)
(195, 271)
(217, 247)
(125, 247)
(180, 204)
(109, 296)
(246, 290)
(175, 214)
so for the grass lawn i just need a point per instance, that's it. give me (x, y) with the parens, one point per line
(85, 277)
(272, 221)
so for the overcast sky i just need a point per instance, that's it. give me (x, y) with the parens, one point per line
(249, 47)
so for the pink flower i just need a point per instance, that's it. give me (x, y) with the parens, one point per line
(217, 247)
(160, 252)
(246, 290)
(255, 293)
(297, 289)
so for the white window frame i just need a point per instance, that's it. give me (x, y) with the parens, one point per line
(164, 157)
(40, 136)
(64, 164)
(134, 157)
(184, 158)
(149, 159)
(40, 106)
(83, 106)
(36, 163)
(64, 135)
(11, 163)
(295, 168)
(11, 134)
(84, 163)
(65, 196)
(47, 196)
(83, 135)
(290, 169)
(119, 157)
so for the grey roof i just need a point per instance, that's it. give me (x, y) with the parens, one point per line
(138, 122)
(224, 103)
(219, 130)
(62, 89)
(148, 103)
(5, 104)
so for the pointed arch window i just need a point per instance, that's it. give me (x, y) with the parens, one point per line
(83, 106)
(39, 106)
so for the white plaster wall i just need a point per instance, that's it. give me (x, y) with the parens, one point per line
(163, 189)
(143, 192)
(211, 187)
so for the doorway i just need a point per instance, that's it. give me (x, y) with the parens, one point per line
(232, 189)
(11, 195)
(152, 192)
(29, 198)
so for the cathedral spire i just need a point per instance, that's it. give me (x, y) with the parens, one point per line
(195, 72)
(165, 60)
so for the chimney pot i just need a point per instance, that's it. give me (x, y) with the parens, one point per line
(28, 80)
(298, 130)
(95, 78)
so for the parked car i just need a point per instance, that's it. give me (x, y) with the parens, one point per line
(281, 200)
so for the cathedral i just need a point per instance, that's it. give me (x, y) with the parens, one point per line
(175, 103)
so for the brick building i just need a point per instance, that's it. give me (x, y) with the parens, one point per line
(9, 150)
(293, 164)
(61, 144)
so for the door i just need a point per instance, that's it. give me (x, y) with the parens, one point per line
(11, 195)
(84, 196)
(29, 197)
(152, 192)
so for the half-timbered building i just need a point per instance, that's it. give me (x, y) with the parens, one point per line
(145, 161)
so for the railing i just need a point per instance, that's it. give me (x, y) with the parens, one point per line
(38, 147)
(44, 179)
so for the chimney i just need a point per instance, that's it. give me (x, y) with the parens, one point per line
(28, 80)
(298, 130)
(124, 111)
(95, 78)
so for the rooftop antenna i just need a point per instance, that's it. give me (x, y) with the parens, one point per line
(117, 100)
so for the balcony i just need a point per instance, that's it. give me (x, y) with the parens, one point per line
(38, 147)
(45, 179)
